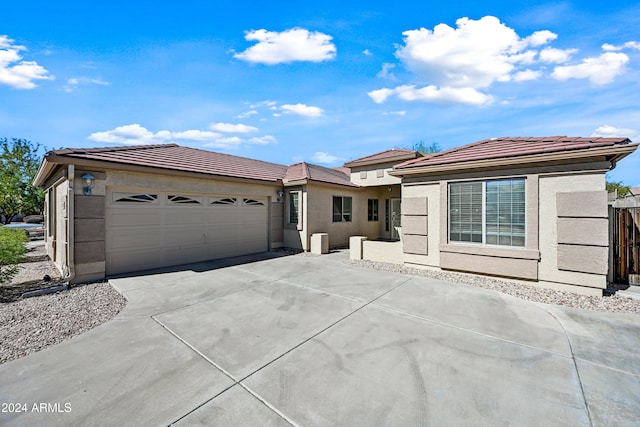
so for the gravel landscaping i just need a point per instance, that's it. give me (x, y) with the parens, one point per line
(612, 304)
(31, 324)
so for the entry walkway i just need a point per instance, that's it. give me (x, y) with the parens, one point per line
(315, 341)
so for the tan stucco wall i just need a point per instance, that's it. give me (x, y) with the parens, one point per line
(319, 214)
(132, 180)
(430, 192)
(552, 257)
(585, 189)
(372, 177)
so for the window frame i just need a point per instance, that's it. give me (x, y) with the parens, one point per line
(342, 213)
(521, 212)
(373, 210)
(297, 210)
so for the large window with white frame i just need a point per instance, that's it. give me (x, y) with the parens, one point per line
(488, 212)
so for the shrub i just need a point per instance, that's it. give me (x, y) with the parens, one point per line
(13, 249)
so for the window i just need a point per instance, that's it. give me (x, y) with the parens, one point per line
(341, 209)
(372, 209)
(488, 212)
(294, 207)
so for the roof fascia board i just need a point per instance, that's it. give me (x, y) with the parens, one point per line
(394, 159)
(617, 153)
(148, 169)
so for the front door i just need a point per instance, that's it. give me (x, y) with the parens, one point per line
(396, 217)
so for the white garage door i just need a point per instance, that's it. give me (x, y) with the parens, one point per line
(149, 229)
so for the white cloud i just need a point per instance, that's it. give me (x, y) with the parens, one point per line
(367, 52)
(135, 134)
(302, 110)
(527, 74)
(552, 55)
(464, 95)
(22, 74)
(263, 140)
(380, 95)
(461, 63)
(296, 44)
(386, 73)
(599, 70)
(74, 82)
(231, 128)
(474, 55)
(607, 131)
(627, 45)
(324, 158)
(540, 38)
(246, 114)
(225, 142)
(395, 113)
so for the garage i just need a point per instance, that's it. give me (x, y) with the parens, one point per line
(146, 228)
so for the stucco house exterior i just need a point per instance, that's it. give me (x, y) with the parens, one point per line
(525, 208)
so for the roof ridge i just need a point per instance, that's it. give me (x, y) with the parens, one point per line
(114, 148)
(232, 155)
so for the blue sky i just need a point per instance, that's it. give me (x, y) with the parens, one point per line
(323, 82)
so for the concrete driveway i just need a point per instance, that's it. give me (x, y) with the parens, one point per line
(312, 341)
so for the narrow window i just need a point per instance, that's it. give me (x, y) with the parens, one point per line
(293, 207)
(372, 209)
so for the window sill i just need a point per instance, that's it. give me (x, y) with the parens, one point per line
(500, 252)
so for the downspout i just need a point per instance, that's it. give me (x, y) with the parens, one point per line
(71, 271)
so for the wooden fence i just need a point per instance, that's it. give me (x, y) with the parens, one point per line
(625, 228)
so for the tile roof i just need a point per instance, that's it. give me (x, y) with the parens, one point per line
(175, 157)
(383, 156)
(311, 172)
(509, 147)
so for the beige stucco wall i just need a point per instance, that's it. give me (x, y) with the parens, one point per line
(584, 188)
(133, 180)
(375, 175)
(564, 249)
(319, 214)
(431, 192)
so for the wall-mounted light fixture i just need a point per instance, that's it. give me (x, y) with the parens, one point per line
(280, 193)
(88, 182)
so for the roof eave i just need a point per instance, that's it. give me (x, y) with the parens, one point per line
(613, 154)
(398, 158)
(103, 164)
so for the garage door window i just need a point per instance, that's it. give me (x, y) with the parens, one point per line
(184, 200)
(224, 201)
(134, 198)
(252, 202)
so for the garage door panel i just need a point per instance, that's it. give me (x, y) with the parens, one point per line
(131, 261)
(134, 218)
(141, 238)
(165, 233)
(177, 216)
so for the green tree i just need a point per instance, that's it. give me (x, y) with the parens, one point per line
(13, 247)
(20, 161)
(622, 190)
(426, 149)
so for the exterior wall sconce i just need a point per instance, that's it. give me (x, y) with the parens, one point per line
(280, 194)
(88, 182)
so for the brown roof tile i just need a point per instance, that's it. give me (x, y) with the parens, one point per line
(303, 170)
(385, 156)
(175, 157)
(509, 147)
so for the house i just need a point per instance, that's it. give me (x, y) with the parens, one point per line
(526, 208)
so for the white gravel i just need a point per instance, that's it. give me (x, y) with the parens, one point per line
(612, 304)
(31, 324)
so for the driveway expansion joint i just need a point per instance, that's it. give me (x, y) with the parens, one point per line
(575, 365)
